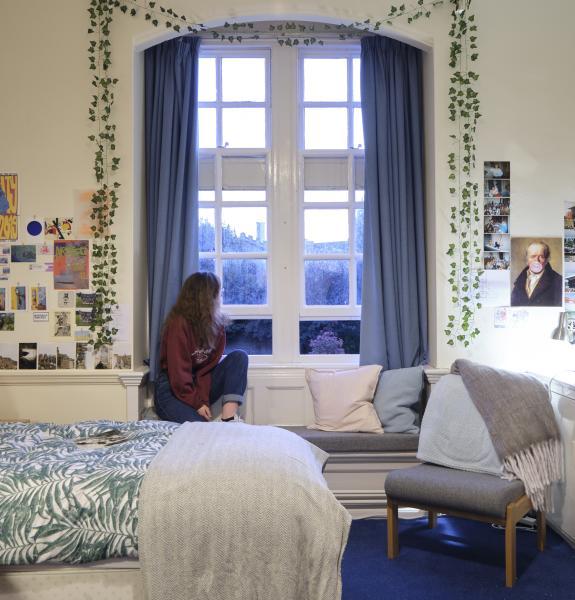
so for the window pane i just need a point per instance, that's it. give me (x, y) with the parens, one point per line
(325, 196)
(359, 196)
(326, 231)
(359, 277)
(326, 282)
(244, 229)
(207, 127)
(252, 335)
(359, 173)
(243, 173)
(356, 80)
(329, 337)
(244, 196)
(206, 195)
(207, 241)
(357, 129)
(359, 230)
(207, 80)
(244, 127)
(325, 79)
(244, 281)
(206, 173)
(325, 128)
(325, 173)
(243, 79)
(208, 264)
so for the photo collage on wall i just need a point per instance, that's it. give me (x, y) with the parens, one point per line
(496, 215)
(45, 279)
(569, 257)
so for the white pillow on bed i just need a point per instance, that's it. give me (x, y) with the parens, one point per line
(343, 400)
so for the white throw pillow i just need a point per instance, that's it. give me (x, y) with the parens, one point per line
(343, 400)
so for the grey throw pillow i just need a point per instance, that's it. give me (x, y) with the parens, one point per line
(397, 399)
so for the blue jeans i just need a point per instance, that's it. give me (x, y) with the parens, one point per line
(229, 382)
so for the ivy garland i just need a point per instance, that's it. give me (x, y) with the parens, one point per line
(465, 252)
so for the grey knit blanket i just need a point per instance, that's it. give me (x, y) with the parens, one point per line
(240, 512)
(521, 423)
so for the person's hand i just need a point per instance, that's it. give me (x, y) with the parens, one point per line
(204, 411)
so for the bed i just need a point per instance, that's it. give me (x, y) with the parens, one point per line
(166, 510)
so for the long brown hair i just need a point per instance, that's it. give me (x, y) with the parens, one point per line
(199, 303)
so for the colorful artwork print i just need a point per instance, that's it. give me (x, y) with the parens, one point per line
(2, 299)
(71, 264)
(27, 355)
(23, 253)
(18, 297)
(83, 222)
(8, 206)
(59, 228)
(38, 298)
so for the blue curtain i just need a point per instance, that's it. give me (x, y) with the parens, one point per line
(171, 126)
(394, 291)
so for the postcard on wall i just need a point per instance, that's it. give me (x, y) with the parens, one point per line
(62, 324)
(8, 357)
(4, 272)
(33, 229)
(2, 299)
(85, 300)
(18, 297)
(27, 355)
(497, 169)
(71, 264)
(8, 206)
(121, 321)
(122, 357)
(66, 355)
(84, 356)
(569, 247)
(46, 356)
(58, 228)
(82, 214)
(7, 321)
(500, 317)
(569, 278)
(82, 335)
(66, 299)
(569, 215)
(536, 271)
(38, 298)
(103, 357)
(85, 318)
(23, 253)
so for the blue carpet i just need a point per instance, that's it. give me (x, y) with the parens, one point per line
(458, 560)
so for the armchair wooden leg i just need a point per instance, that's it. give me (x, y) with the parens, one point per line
(392, 531)
(510, 552)
(541, 530)
(431, 519)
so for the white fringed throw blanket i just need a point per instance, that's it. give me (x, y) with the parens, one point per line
(520, 421)
(230, 511)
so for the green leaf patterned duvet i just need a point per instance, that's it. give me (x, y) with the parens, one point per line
(65, 502)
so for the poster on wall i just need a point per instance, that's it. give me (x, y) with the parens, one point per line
(71, 264)
(536, 271)
(18, 297)
(38, 297)
(496, 215)
(23, 253)
(8, 206)
(58, 228)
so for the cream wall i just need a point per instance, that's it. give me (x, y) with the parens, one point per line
(526, 89)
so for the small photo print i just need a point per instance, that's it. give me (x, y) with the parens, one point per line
(569, 277)
(58, 228)
(66, 299)
(496, 225)
(496, 261)
(24, 253)
(569, 216)
(497, 242)
(84, 356)
(569, 247)
(82, 335)
(103, 357)
(2, 299)
(497, 188)
(66, 355)
(84, 300)
(122, 358)
(62, 324)
(570, 326)
(8, 357)
(38, 298)
(84, 318)
(497, 207)
(18, 297)
(27, 355)
(497, 169)
(46, 357)
(7, 321)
